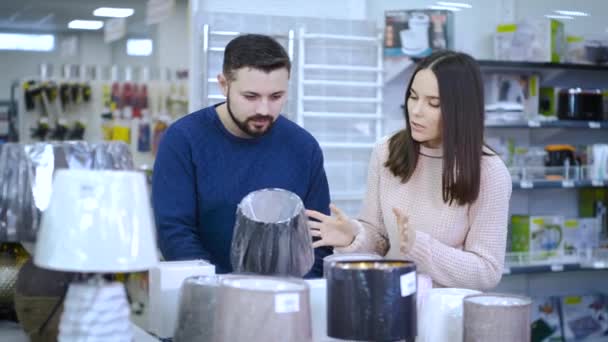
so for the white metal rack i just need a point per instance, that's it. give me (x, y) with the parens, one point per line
(209, 98)
(341, 92)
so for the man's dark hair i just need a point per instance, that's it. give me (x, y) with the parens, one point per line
(254, 51)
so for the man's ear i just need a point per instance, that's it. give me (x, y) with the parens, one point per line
(223, 82)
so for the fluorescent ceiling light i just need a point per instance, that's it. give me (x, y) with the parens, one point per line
(454, 4)
(447, 8)
(139, 47)
(27, 42)
(573, 13)
(113, 12)
(555, 16)
(85, 24)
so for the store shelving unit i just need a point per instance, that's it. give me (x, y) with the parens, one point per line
(339, 100)
(532, 273)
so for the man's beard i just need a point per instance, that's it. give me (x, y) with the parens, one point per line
(244, 125)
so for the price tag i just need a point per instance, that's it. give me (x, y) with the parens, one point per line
(593, 124)
(286, 303)
(597, 183)
(568, 183)
(526, 184)
(557, 268)
(408, 284)
(532, 123)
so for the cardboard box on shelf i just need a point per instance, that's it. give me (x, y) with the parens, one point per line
(532, 40)
(512, 91)
(546, 234)
(417, 33)
(584, 317)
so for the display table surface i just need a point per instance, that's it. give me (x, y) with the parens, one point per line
(11, 331)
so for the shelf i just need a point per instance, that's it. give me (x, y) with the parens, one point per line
(561, 184)
(539, 66)
(554, 124)
(521, 263)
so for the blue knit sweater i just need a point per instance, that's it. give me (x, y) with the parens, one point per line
(202, 172)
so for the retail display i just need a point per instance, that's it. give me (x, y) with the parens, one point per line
(372, 300)
(416, 33)
(256, 308)
(27, 172)
(271, 235)
(533, 40)
(440, 319)
(496, 317)
(101, 222)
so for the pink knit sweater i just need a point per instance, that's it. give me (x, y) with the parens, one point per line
(457, 246)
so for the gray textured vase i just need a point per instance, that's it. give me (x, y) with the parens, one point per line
(496, 317)
(197, 308)
(258, 308)
(271, 235)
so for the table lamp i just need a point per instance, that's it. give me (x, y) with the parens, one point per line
(97, 222)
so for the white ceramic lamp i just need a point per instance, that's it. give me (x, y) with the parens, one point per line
(97, 222)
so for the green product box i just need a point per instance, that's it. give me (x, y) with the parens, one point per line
(520, 233)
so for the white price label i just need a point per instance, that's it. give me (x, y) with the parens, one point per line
(568, 184)
(597, 183)
(408, 284)
(526, 184)
(593, 124)
(557, 268)
(287, 303)
(532, 123)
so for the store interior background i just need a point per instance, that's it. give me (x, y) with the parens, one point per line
(173, 42)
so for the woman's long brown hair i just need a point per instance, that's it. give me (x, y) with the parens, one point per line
(462, 117)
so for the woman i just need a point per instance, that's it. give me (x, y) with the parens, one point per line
(435, 194)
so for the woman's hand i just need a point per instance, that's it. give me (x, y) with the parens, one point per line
(406, 233)
(337, 230)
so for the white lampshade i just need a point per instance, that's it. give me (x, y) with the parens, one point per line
(98, 221)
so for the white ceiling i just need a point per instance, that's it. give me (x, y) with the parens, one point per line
(54, 15)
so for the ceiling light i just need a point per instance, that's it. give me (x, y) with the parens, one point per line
(85, 24)
(113, 12)
(555, 16)
(447, 8)
(454, 4)
(573, 13)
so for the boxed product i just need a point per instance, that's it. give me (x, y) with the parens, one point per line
(548, 99)
(580, 234)
(546, 324)
(546, 233)
(520, 233)
(511, 92)
(533, 40)
(416, 33)
(585, 317)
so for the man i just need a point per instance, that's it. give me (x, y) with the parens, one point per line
(209, 160)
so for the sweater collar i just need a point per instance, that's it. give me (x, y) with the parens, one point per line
(431, 152)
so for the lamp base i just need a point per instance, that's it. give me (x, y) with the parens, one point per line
(95, 311)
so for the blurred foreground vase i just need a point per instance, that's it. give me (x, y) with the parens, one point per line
(271, 235)
(269, 309)
(372, 300)
(440, 319)
(497, 317)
